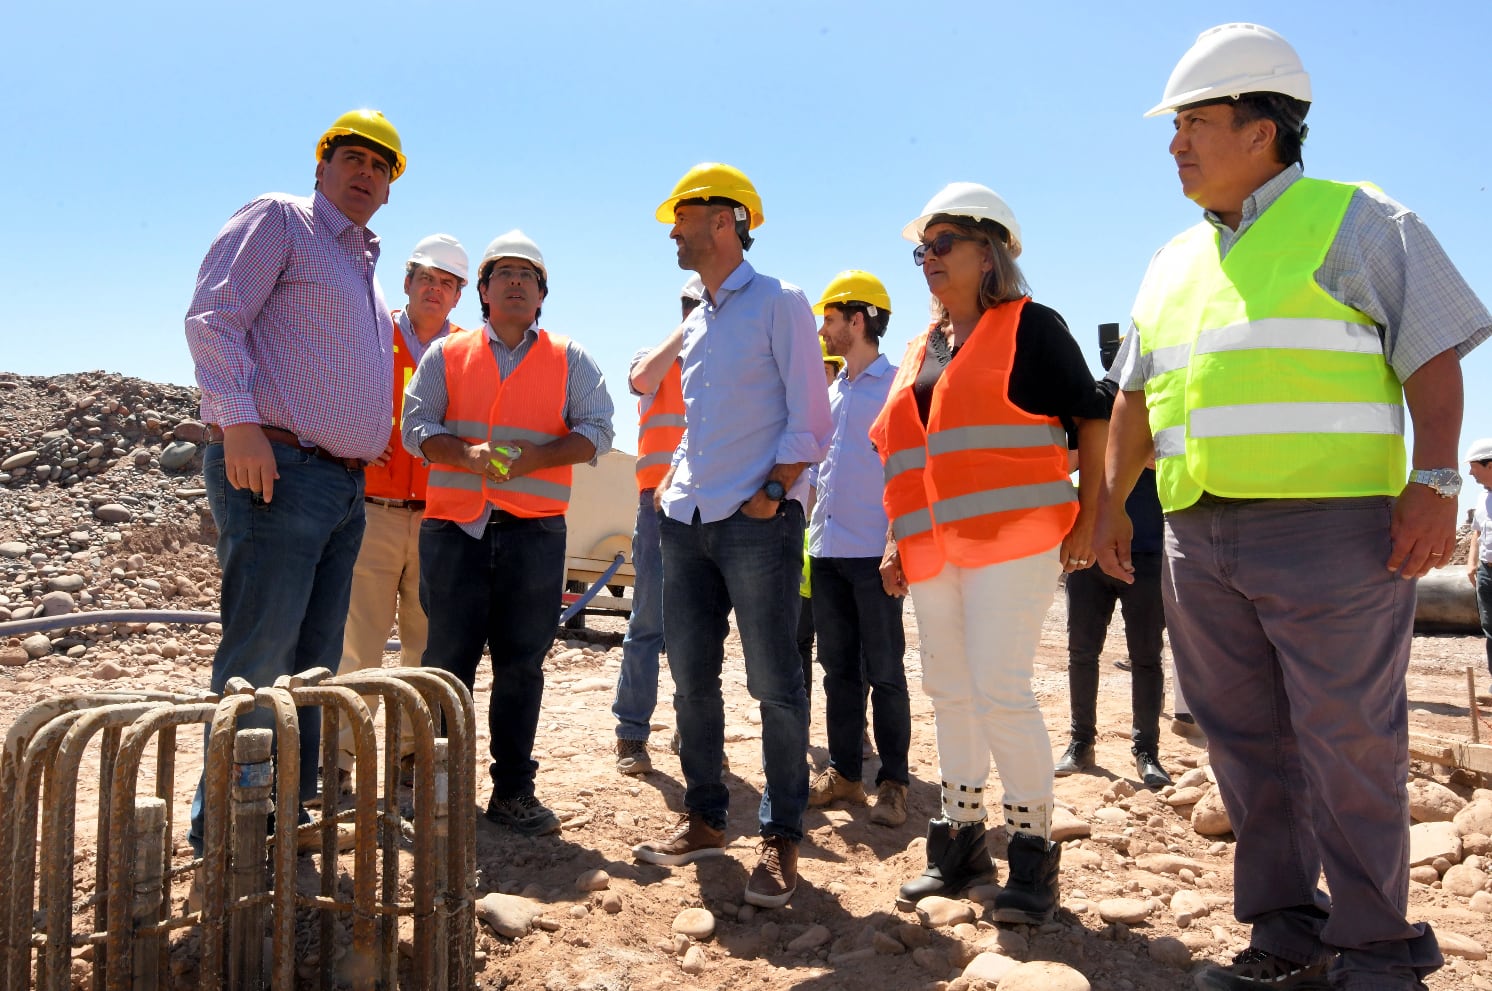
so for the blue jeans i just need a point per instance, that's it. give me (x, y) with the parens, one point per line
(287, 576)
(503, 592)
(1091, 595)
(1484, 605)
(861, 643)
(753, 566)
(637, 685)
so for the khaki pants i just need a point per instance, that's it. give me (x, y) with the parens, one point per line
(386, 580)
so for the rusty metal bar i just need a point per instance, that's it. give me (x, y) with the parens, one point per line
(1471, 704)
(213, 870)
(250, 804)
(149, 841)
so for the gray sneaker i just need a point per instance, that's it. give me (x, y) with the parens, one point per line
(522, 814)
(632, 757)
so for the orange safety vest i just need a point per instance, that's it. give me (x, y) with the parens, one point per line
(404, 476)
(984, 481)
(482, 407)
(660, 427)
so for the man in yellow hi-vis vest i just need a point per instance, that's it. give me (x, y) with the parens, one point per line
(1273, 349)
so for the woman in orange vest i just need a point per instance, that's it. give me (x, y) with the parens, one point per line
(974, 438)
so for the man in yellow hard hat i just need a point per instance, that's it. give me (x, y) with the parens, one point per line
(502, 414)
(1274, 347)
(859, 626)
(732, 533)
(387, 577)
(288, 330)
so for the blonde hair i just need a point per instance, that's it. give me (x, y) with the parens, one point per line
(1004, 281)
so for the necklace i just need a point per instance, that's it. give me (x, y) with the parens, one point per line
(937, 342)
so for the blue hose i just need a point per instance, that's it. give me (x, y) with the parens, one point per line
(591, 592)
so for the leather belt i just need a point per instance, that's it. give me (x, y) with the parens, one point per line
(415, 504)
(279, 435)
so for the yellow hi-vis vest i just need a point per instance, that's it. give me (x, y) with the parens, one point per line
(1258, 383)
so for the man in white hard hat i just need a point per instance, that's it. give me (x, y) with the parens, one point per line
(1479, 559)
(859, 626)
(288, 331)
(502, 415)
(656, 380)
(386, 579)
(732, 532)
(1273, 349)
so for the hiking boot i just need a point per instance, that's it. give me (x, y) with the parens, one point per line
(956, 859)
(1076, 758)
(692, 839)
(1030, 896)
(1255, 969)
(890, 808)
(831, 786)
(1151, 774)
(522, 814)
(1186, 726)
(632, 757)
(776, 875)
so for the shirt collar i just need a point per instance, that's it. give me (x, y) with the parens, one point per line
(532, 334)
(736, 280)
(1260, 199)
(325, 213)
(881, 366)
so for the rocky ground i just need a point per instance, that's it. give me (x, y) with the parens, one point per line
(101, 507)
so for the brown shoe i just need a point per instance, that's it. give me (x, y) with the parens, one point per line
(891, 804)
(831, 786)
(692, 839)
(776, 875)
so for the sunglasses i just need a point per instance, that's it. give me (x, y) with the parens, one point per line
(939, 246)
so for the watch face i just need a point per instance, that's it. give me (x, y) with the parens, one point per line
(775, 490)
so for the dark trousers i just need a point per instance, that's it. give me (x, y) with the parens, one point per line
(1091, 596)
(861, 645)
(805, 643)
(1292, 645)
(502, 591)
(754, 567)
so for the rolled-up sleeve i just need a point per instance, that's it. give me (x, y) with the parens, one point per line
(425, 401)
(236, 279)
(800, 361)
(588, 407)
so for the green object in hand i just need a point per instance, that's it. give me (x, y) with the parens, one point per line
(508, 452)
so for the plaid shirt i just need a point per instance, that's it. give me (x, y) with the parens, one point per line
(288, 327)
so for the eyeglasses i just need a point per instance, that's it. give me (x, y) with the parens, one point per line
(939, 246)
(506, 274)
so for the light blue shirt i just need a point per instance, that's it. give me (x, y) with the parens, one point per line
(849, 519)
(754, 396)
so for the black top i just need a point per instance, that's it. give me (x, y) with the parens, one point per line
(1048, 376)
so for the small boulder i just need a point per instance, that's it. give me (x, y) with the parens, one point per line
(65, 583)
(1126, 910)
(178, 455)
(1431, 801)
(1209, 818)
(508, 915)
(936, 912)
(1463, 880)
(13, 549)
(1068, 826)
(13, 657)
(1170, 951)
(57, 604)
(112, 512)
(694, 961)
(696, 923)
(37, 645)
(1475, 817)
(1431, 841)
(595, 880)
(1453, 944)
(990, 967)
(1044, 975)
(811, 939)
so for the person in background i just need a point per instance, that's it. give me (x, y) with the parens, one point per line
(289, 334)
(1479, 558)
(502, 415)
(1273, 347)
(974, 440)
(655, 378)
(386, 579)
(861, 640)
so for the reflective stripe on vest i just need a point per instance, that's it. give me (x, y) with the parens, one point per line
(526, 407)
(1259, 384)
(660, 427)
(983, 481)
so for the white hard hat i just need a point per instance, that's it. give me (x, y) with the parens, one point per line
(1230, 60)
(1480, 450)
(694, 288)
(514, 244)
(968, 199)
(439, 251)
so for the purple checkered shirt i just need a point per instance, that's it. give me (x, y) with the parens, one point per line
(288, 327)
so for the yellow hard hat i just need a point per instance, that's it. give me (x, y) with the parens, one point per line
(709, 179)
(830, 359)
(854, 286)
(370, 124)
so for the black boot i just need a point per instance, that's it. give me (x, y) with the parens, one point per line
(1030, 896)
(956, 859)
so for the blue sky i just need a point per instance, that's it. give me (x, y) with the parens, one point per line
(137, 130)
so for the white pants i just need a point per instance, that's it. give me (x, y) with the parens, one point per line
(386, 579)
(980, 628)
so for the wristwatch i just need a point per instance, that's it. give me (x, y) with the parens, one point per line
(776, 492)
(1445, 481)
